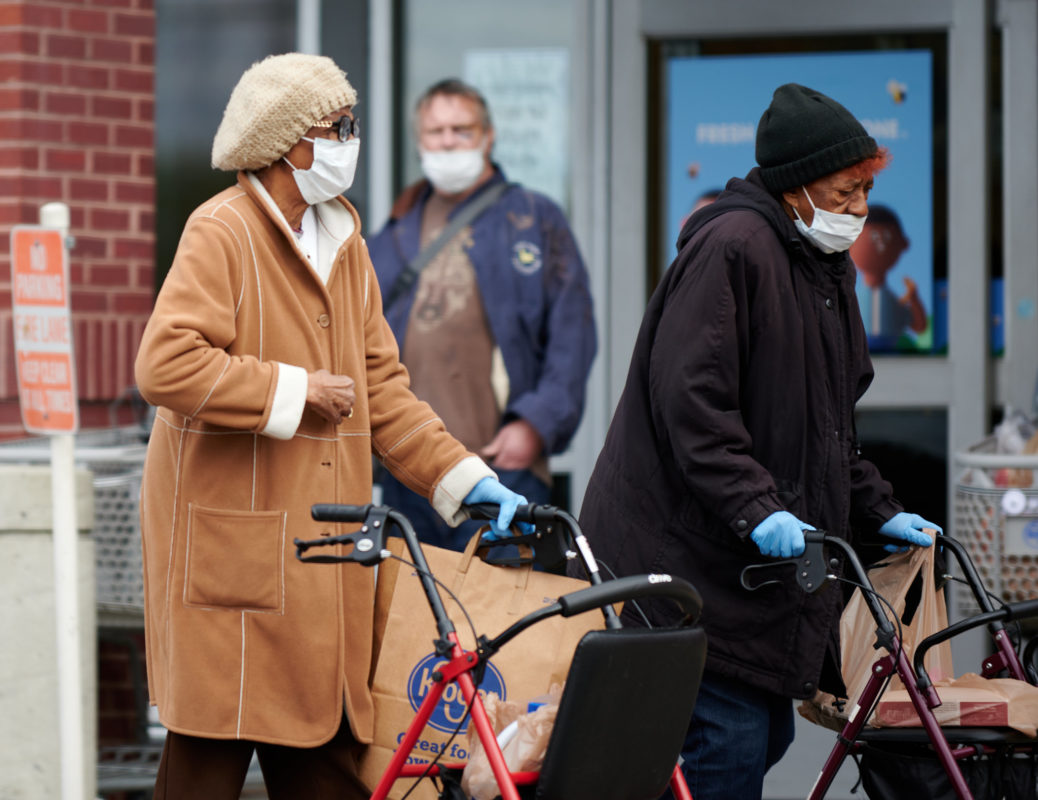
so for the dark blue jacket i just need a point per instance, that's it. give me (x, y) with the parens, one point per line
(536, 295)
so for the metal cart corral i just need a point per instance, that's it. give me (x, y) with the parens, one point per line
(115, 457)
(996, 518)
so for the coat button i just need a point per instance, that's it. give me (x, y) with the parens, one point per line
(324, 320)
(741, 524)
(828, 302)
(809, 688)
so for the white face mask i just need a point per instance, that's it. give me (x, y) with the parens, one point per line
(829, 232)
(331, 174)
(452, 171)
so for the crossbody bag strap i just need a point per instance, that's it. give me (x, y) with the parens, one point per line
(406, 278)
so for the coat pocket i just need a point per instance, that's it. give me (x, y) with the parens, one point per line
(235, 560)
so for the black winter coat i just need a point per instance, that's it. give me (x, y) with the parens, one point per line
(739, 402)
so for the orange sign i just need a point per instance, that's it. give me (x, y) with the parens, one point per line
(43, 330)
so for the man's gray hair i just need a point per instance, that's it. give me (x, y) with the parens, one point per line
(453, 87)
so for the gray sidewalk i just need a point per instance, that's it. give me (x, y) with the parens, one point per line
(794, 776)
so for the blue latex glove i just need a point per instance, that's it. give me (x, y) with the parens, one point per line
(780, 535)
(491, 490)
(907, 528)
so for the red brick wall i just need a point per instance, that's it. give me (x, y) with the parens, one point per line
(77, 126)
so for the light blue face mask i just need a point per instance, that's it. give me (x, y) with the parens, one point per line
(829, 232)
(332, 172)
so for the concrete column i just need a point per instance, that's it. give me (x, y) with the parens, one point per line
(30, 761)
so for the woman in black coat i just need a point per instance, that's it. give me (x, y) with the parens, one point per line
(735, 432)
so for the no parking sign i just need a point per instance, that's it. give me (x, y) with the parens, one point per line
(43, 330)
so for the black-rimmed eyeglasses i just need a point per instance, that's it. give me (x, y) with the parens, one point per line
(345, 127)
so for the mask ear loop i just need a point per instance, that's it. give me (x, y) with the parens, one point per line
(814, 208)
(285, 157)
(809, 200)
(796, 210)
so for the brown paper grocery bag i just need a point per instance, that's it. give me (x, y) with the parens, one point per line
(967, 701)
(892, 581)
(405, 658)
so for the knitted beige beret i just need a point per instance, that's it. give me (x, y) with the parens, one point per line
(276, 101)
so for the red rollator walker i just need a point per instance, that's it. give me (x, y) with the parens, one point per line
(629, 692)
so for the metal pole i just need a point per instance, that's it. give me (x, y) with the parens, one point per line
(66, 603)
(308, 26)
(66, 583)
(381, 113)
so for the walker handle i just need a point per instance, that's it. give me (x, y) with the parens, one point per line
(613, 591)
(529, 512)
(333, 512)
(811, 566)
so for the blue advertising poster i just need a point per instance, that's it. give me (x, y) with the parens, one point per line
(713, 105)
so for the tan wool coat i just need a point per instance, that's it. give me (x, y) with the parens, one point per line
(243, 640)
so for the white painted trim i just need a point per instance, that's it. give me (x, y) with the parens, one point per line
(1019, 22)
(380, 113)
(308, 26)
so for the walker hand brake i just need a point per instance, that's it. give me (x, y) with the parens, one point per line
(367, 543)
(810, 566)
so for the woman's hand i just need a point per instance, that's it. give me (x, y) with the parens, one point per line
(331, 396)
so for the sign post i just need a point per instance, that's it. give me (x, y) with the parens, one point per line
(47, 394)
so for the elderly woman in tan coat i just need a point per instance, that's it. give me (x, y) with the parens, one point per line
(276, 378)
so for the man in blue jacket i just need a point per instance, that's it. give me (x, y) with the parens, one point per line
(488, 297)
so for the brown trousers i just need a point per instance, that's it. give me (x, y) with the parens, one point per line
(193, 768)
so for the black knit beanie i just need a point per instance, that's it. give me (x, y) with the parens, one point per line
(804, 135)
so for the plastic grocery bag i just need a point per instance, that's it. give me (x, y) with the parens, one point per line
(523, 738)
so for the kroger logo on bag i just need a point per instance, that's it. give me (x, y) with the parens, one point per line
(452, 706)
